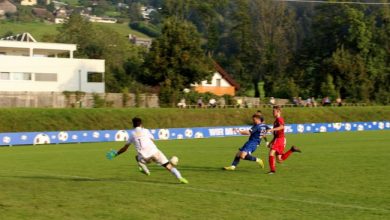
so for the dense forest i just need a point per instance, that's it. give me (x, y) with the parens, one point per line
(296, 49)
(286, 49)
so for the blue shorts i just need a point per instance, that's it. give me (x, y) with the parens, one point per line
(248, 147)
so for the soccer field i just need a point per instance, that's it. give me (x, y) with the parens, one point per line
(338, 176)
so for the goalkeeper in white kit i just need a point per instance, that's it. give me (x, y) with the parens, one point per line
(147, 151)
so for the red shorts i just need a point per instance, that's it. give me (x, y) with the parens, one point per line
(279, 145)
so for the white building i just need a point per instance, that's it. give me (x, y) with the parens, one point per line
(220, 84)
(145, 12)
(28, 2)
(27, 65)
(93, 18)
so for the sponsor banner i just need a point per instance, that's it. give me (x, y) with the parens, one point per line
(60, 137)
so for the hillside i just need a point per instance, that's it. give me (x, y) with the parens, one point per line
(39, 29)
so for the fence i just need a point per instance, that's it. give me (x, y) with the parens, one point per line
(76, 100)
(59, 137)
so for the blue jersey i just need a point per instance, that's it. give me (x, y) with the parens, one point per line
(257, 131)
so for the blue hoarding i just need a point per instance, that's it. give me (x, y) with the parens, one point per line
(59, 137)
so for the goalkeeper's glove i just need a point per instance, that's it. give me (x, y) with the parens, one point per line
(111, 154)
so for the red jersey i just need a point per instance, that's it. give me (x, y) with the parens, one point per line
(278, 122)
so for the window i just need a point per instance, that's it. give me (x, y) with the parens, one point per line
(21, 76)
(218, 82)
(4, 76)
(46, 77)
(95, 77)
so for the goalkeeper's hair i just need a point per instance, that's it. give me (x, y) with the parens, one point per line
(137, 122)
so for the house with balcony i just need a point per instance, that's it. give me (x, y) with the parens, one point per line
(30, 66)
(220, 84)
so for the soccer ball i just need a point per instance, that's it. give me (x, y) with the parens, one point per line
(174, 160)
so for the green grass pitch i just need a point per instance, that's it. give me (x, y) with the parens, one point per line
(338, 176)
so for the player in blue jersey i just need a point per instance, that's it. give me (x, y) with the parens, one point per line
(259, 113)
(258, 130)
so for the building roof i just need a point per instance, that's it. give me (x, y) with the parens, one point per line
(26, 41)
(7, 6)
(226, 76)
(38, 45)
(42, 12)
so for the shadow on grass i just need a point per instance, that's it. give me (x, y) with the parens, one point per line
(211, 169)
(87, 179)
(3, 206)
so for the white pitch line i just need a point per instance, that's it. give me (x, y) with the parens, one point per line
(275, 198)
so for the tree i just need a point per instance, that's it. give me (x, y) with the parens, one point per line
(345, 44)
(262, 33)
(176, 59)
(122, 59)
(328, 88)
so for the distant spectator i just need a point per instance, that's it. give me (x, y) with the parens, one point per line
(272, 101)
(221, 102)
(313, 102)
(295, 101)
(212, 103)
(308, 102)
(300, 101)
(339, 102)
(239, 103)
(182, 103)
(200, 102)
(326, 101)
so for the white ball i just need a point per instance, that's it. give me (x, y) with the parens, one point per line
(174, 160)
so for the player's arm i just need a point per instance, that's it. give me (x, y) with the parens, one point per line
(123, 149)
(244, 132)
(280, 127)
(113, 153)
(268, 129)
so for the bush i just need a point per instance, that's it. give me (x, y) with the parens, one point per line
(146, 28)
(229, 100)
(168, 96)
(98, 102)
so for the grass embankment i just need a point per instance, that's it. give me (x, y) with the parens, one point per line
(25, 119)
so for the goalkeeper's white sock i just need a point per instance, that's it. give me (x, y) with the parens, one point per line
(144, 167)
(175, 172)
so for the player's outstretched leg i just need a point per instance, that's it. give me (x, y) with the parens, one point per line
(175, 172)
(245, 156)
(289, 152)
(235, 162)
(255, 159)
(142, 167)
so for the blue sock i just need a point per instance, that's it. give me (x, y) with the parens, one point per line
(236, 161)
(250, 157)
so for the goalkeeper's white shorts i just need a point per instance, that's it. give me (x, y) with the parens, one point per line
(158, 158)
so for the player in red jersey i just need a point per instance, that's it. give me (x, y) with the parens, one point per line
(278, 144)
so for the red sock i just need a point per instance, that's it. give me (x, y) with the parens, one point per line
(271, 160)
(286, 155)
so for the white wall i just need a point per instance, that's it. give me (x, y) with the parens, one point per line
(69, 72)
(213, 82)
